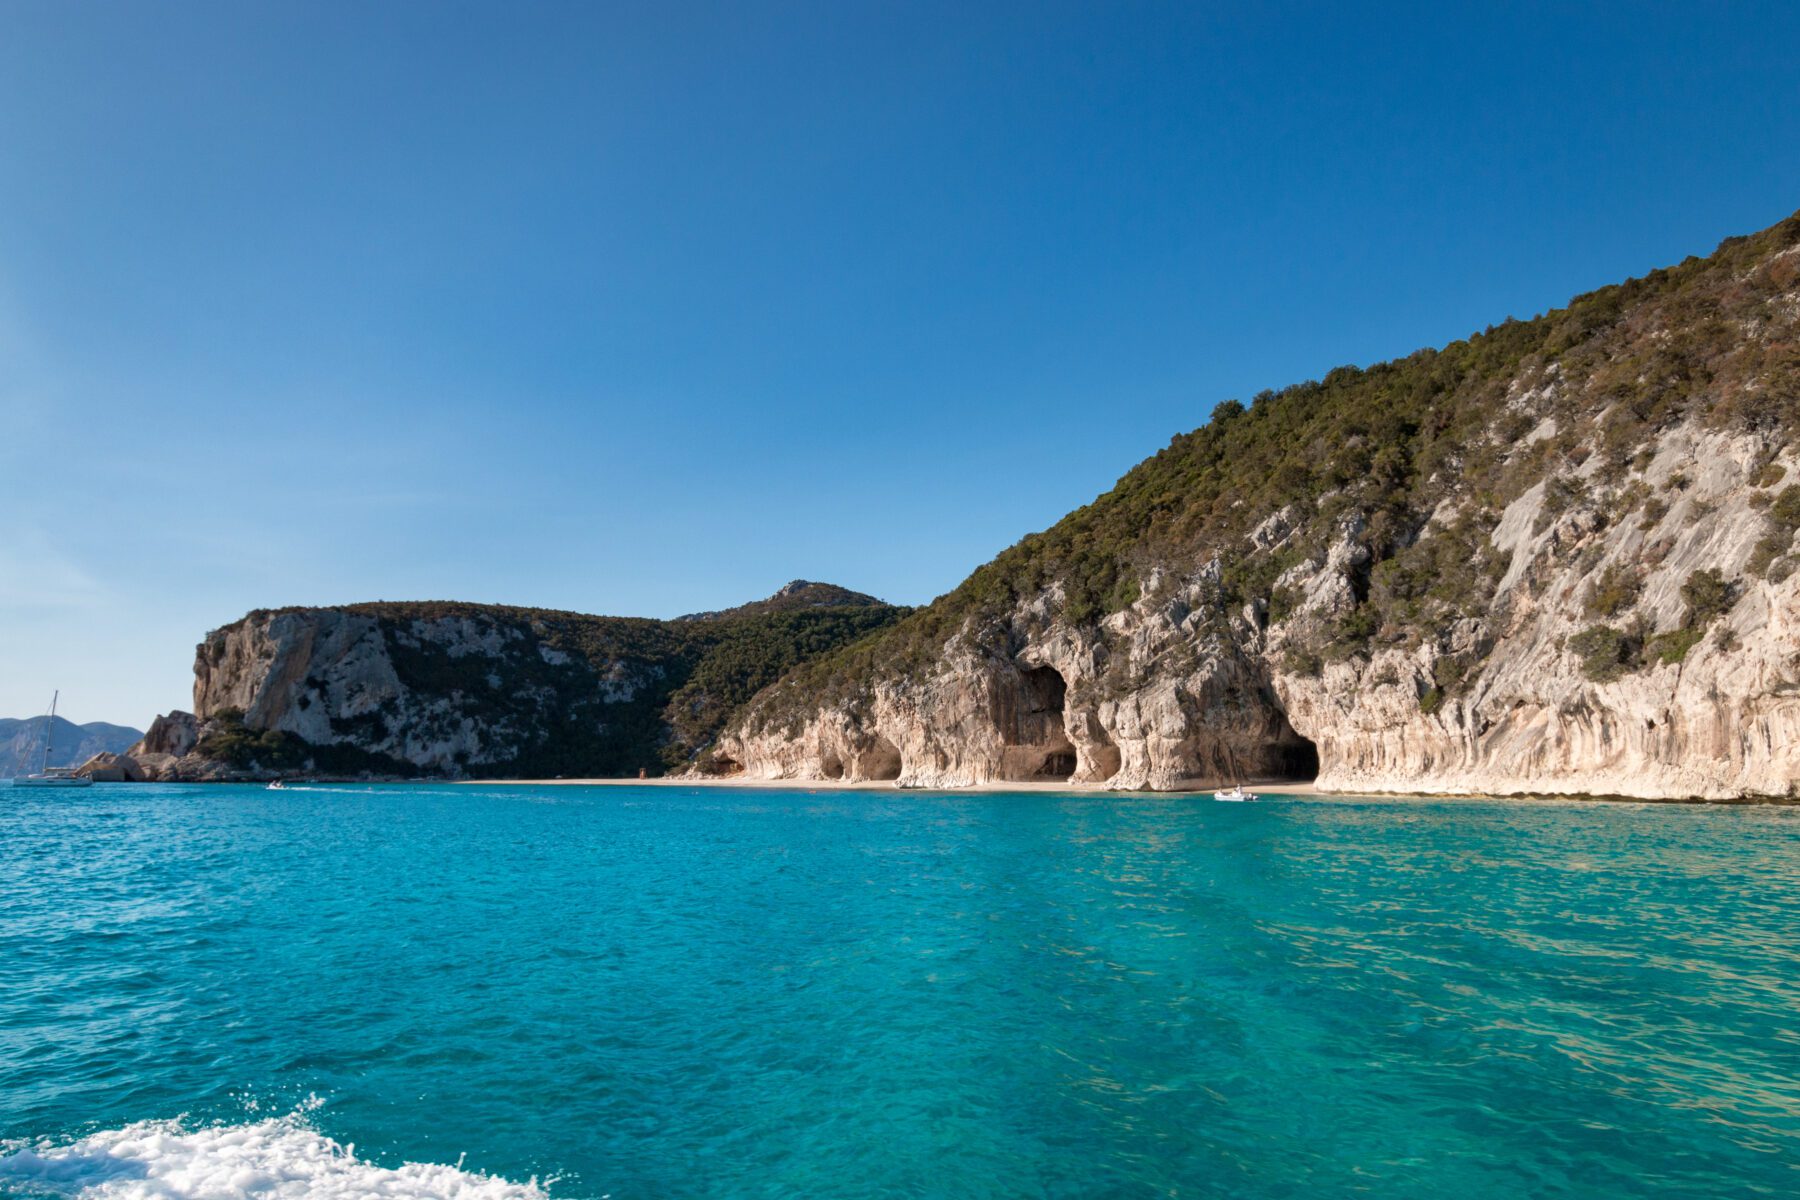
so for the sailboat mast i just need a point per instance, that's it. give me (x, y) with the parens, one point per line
(49, 731)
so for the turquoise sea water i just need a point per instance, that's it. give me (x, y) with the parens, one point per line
(661, 992)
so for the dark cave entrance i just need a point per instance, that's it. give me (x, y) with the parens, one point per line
(1296, 760)
(1046, 692)
(881, 761)
(1049, 755)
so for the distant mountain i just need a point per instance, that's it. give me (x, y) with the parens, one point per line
(22, 743)
(798, 596)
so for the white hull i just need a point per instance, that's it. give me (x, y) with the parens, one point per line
(51, 781)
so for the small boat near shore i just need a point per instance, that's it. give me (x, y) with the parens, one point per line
(47, 775)
(60, 777)
(1235, 794)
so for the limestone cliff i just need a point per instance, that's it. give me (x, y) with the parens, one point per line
(448, 689)
(1555, 557)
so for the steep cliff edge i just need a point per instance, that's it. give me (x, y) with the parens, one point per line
(1555, 557)
(450, 689)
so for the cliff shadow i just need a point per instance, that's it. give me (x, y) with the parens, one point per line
(1225, 756)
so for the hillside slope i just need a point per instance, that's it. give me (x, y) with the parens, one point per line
(453, 689)
(1556, 556)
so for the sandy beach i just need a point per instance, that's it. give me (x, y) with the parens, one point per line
(1267, 787)
(828, 785)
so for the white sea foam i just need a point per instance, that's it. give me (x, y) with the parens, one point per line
(276, 1159)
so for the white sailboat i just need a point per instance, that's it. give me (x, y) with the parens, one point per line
(47, 775)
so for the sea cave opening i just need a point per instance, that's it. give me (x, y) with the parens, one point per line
(880, 761)
(1043, 751)
(1297, 760)
(1046, 692)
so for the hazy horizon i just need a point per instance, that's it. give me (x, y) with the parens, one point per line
(650, 309)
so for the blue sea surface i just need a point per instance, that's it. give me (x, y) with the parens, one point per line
(675, 992)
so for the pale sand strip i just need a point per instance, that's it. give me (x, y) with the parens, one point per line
(1267, 787)
(830, 785)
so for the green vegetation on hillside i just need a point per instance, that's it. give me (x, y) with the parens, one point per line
(748, 655)
(1374, 453)
(1609, 653)
(228, 740)
(798, 596)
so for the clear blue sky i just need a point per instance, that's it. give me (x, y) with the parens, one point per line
(648, 308)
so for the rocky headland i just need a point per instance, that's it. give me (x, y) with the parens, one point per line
(451, 690)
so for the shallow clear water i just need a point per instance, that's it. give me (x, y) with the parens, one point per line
(658, 992)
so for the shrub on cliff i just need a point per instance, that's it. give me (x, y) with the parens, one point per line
(1709, 595)
(1606, 653)
(1615, 590)
(228, 740)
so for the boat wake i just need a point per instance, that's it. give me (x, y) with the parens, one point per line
(280, 1158)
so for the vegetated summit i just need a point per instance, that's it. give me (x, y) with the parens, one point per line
(798, 596)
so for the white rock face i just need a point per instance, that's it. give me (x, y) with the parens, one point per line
(330, 677)
(172, 734)
(297, 671)
(1720, 723)
(1034, 701)
(1175, 692)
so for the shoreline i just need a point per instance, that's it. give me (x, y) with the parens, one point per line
(1295, 788)
(1301, 788)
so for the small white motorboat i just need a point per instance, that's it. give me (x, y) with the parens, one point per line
(1235, 794)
